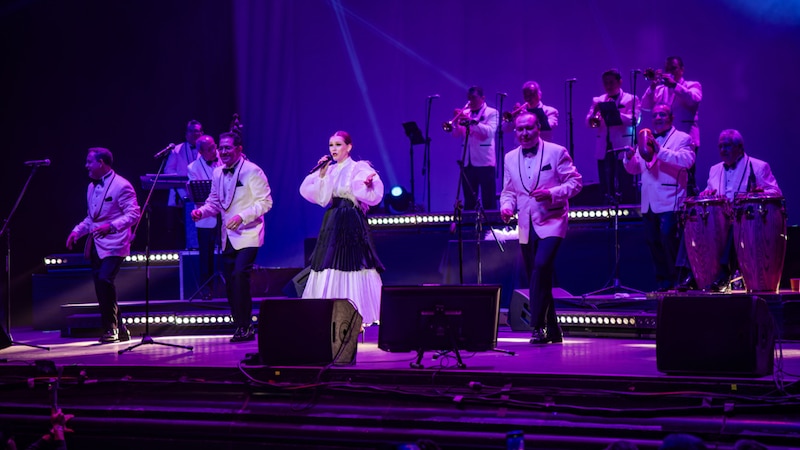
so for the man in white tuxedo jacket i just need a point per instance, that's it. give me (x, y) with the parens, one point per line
(480, 159)
(202, 168)
(663, 160)
(241, 193)
(112, 213)
(683, 98)
(532, 97)
(610, 137)
(737, 173)
(539, 178)
(182, 233)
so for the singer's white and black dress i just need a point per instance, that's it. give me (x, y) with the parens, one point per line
(344, 263)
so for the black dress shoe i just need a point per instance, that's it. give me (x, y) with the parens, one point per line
(124, 335)
(110, 336)
(686, 283)
(538, 336)
(721, 284)
(244, 334)
(555, 336)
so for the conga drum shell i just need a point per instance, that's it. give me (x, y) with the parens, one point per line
(759, 233)
(706, 224)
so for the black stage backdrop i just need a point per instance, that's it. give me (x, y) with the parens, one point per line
(80, 74)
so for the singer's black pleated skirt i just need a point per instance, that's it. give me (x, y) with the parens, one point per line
(344, 242)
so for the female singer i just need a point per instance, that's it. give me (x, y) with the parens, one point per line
(344, 263)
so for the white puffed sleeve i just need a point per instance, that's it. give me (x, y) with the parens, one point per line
(371, 195)
(316, 189)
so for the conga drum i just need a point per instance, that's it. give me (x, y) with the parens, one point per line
(759, 235)
(706, 222)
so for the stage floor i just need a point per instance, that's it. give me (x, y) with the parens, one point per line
(602, 357)
(581, 394)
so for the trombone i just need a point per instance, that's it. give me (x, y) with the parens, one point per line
(448, 126)
(509, 116)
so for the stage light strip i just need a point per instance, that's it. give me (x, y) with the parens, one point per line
(607, 321)
(605, 213)
(190, 320)
(135, 258)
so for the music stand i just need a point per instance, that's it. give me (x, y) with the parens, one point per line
(198, 191)
(415, 137)
(541, 117)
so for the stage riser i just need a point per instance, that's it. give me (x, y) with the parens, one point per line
(75, 287)
(784, 309)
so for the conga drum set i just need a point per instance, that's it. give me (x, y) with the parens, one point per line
(759, 236)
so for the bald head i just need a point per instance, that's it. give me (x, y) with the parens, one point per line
(207, 148)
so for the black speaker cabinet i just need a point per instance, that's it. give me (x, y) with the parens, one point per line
(5, 341)
(519, 311)
(730, 335)
(308, 332)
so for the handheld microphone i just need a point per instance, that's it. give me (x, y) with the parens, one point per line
(434, 96)
(637, 70)
(571, 80)
(324, 162)
(164, 152)
(502, 94)
(38, 162)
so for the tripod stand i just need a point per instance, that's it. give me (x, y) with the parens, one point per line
(199, 191)
(6, 230)
(614, 286)
(611, 117)
(216, 275)
(146, 338)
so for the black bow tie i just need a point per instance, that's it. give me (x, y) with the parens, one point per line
(210, 163)
(530, 151)
(732, 166)
(98, 182)
(228, 170)
(662, 134)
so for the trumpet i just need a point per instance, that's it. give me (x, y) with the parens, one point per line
(656, 76)
(448, 126)
(596, 120)
(509, 116)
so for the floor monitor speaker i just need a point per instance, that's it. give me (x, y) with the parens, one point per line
(308, 332)
(715, 335)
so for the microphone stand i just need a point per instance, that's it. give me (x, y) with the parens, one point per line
(458, 207)
(6, 230)
(426, 158)
(634, 125)
(146, 338)
(570, 125)
(501, 151)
